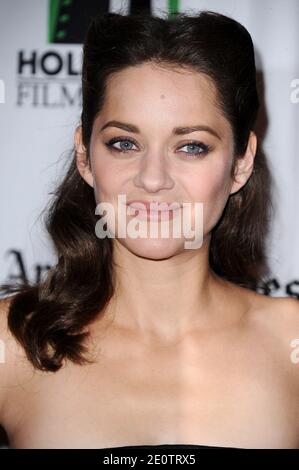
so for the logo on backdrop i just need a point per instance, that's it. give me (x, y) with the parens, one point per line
(50, 77)
(22, 273)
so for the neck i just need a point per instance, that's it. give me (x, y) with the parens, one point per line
(164, 299)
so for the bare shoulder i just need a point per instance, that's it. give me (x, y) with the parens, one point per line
(283, 313)
(275, 322)
(277, 314)
(13, 361)
(280, 313)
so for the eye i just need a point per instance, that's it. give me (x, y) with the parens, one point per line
(122, 141)
(198, 149)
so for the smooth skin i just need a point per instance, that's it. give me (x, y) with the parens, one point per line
(181, 356)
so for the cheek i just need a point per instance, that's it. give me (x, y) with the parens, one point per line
(211, 187)
(108, 181)
(209, 184)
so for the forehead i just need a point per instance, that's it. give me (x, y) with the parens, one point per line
(149, 91)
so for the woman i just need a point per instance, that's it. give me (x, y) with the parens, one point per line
(135, 341)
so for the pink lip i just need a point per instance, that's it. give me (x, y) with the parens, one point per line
(155, 206)
(146, 212)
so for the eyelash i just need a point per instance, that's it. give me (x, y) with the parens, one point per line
(205, 151)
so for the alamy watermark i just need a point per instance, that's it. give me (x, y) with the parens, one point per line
(185, 220)
(295, 353)
(294, 96)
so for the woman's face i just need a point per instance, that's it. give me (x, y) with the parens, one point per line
(150, 155)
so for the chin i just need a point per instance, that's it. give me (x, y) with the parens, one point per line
(155, 249)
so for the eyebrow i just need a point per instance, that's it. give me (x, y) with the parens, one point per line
(176, 130)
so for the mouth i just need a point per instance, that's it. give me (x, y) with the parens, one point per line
(154, 205)
(155, 211)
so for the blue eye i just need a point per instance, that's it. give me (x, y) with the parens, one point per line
(126, 146)
(123, 149)
(199, 145)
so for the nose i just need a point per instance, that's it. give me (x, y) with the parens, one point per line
(153, 173)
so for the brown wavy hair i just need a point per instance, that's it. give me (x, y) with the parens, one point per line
(48, 318)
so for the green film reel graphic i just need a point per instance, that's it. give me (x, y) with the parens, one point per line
(68, 20)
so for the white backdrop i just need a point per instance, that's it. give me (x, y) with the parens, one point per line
(39, 111)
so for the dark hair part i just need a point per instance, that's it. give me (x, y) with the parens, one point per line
(48, 318)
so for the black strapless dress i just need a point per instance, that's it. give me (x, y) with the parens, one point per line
(172, 446)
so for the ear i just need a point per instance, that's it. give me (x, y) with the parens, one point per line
(82, 161)
(244, 165)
